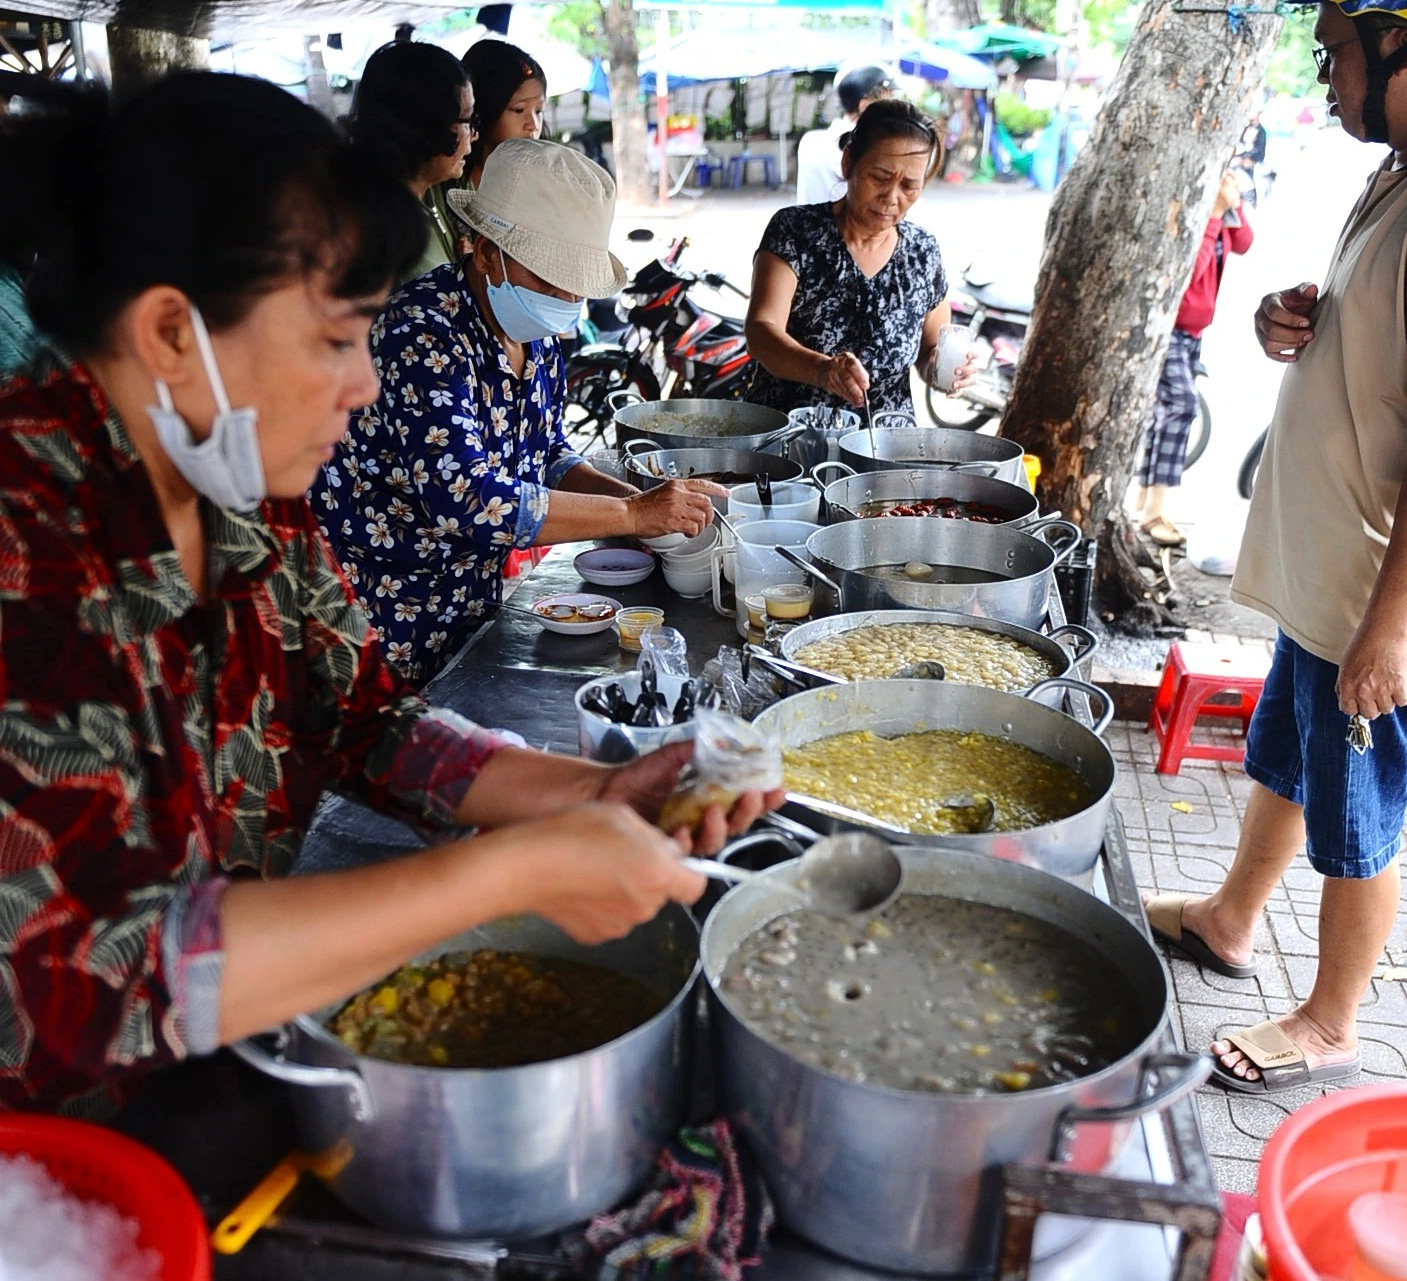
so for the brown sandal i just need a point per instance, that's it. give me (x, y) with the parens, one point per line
(1280, 1062)
(1163, 532)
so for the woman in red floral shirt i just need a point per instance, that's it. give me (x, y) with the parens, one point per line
(182, 670)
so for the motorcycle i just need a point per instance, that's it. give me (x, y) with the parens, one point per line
(668, 346)
(998, 315)
(1250, 466)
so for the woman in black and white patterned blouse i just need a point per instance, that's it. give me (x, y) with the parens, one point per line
(847, 297)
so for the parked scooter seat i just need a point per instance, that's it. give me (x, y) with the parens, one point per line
(995, 296)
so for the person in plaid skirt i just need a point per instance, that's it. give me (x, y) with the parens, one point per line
(1165, 441)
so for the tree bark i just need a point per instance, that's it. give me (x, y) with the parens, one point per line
(1121, 240)
(627, 111)
(952, 15)
(139, 56)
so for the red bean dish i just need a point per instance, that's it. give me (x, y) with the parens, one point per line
(949, 508)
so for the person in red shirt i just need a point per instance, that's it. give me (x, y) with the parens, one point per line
(1165, 441)
(183, 669)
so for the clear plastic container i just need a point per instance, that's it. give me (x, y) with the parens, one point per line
(631, 623)
(788, 602)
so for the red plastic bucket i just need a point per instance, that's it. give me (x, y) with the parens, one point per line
(1321, 1160)
(101, 1165)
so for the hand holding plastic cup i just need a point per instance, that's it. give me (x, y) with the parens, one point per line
(954, 343)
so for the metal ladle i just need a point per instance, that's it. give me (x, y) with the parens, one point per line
(843, 875)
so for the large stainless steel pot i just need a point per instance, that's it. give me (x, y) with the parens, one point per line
(846, 498)
(1083, 643)
(932, 447)
(754, 428)
(1023, 559)
(647, 466)
(907, 1181)
(508, 1152)
(1068, 848)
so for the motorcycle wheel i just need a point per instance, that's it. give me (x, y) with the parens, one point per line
(1250, 465)
(1201, 432)
(587, 418)
(954, 411)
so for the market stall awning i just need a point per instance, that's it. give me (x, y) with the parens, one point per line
(947, 67)
(233, 20)
(708, 54)
(997, 40)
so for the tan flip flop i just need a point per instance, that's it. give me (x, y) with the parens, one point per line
(1163, 532)
(1165, 917)
(1279, 1060)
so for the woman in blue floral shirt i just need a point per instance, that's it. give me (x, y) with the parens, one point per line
(463, 457)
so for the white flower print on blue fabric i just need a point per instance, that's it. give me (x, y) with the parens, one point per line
(446, 474)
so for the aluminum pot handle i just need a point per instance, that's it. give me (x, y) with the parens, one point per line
(639, 445)
(623, 398)
(1101, 722)
(811, 571)
(820, 469)
(1086, 642)
(772, 837)
(790, 432)
(275, 1065)
(1156, 1090)
(974, 468)
(1054, 525)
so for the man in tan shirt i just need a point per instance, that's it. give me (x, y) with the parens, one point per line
(1325, 555)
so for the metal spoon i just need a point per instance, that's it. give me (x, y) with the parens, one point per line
(764, 491)
(729, 526)
(928, 669)
(843, 875)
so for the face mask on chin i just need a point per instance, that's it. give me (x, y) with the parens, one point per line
(226, 467)
(525, 315)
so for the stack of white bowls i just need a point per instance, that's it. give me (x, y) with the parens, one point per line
(688, 566)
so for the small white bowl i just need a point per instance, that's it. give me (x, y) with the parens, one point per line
(588, 628)
(700, 545)
(689, 582)
(615, 566)
(665, 542)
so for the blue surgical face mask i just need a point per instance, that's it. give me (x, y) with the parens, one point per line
(226, 466)
(526, 315)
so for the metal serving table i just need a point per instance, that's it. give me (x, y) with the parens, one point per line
(1153, 1219)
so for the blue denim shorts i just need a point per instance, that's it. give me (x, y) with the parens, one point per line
(1297, 746)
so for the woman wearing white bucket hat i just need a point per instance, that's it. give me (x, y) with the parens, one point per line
(463, 457)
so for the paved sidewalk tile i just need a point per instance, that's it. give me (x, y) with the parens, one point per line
(1182, 832)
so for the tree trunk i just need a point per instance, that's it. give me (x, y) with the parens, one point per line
(952, 15)
(1121, 240)
(138, 56)
(627, 112)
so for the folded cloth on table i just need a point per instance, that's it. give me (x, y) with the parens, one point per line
(706, 1208)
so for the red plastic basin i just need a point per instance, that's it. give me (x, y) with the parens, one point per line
(1321, 1160)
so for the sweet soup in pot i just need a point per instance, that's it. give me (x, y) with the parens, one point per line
(490, 1009)
(913, 780)
(921, 572)
(970, 655)
(934, 994)
(714, 425)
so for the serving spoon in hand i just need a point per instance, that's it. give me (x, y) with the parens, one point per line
(843, 875)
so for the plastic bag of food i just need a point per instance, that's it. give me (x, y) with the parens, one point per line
(731, 756)
(725, 686)
(668, 648)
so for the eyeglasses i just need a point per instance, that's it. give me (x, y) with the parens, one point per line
(1323, 52)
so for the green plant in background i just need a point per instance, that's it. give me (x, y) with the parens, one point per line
(1019, 120)
(578, 23)
(1292, 64)
(1112, 22)
(718, 128)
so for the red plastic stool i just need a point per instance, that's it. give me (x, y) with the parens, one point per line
(1193, 674)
